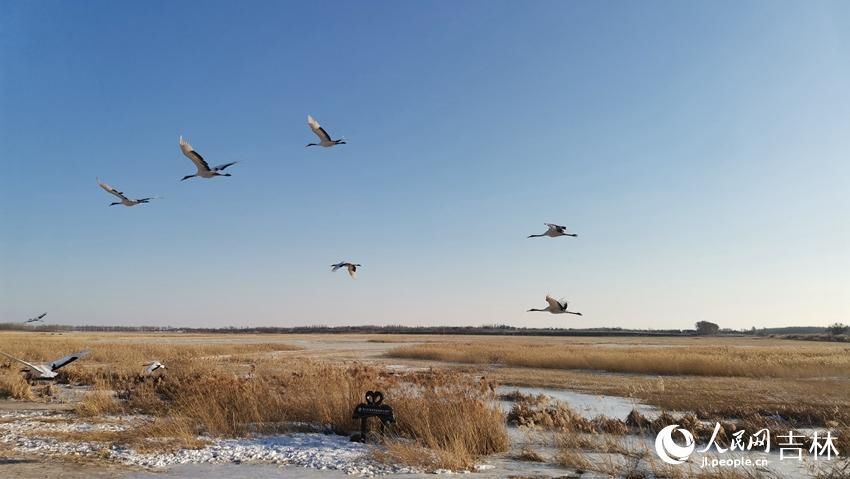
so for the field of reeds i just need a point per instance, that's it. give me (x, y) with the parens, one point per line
(775, 359)
(227, 386)
(238, 390)
(806, 384)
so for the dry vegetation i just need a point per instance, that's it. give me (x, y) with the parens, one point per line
(808, 385)
(793, 361)
(242, 389)
(445, 418)
(13, 385)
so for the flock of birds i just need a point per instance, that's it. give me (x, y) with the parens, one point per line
(48, 370)
(51, 370)
(204, 170)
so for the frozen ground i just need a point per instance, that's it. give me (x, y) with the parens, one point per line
(300, 456)
(27, 451)
(31, 432)
(588, 405)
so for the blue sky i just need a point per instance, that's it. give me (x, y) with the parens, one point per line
(700, 150)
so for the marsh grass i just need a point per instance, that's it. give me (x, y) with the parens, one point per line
(14, 386)
(528, 454)
(543, 412)
(725, 361)
(445, 419)
(456, 422)
(238, 390)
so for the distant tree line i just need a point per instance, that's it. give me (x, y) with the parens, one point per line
(834, 332)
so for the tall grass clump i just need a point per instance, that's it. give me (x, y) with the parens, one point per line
(455, 423)
(98, 402)
(14, 386)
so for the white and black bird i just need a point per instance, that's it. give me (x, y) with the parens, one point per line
(556, 307)
(120, 194)
(352, 268)
(37, 318)
(324, 137)
(153, 366)
(204, 170)
(554, 231)
(48, 371)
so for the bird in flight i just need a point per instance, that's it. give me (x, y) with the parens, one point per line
(48, 371)
(352, 268)
(554, 231)
(324, 137)
(120, 194)
(556, 307)
(153, 366)
(37, 318)
(204, 170)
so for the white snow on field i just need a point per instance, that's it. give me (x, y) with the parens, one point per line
(23, 430)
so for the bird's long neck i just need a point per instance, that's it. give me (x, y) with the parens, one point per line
(532, 309)
(572, 312)
(536, 236)
(570, 234)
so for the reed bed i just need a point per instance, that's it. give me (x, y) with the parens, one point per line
(222, 390)
(725, 361)
(14, 386)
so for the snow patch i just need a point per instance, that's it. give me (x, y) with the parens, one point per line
(313, 450)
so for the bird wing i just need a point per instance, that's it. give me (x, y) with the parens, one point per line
(556, 227)
(31, 366)
(42, 315)
(193, 155)
(221, 167)
(337, 266)
(317, 129)
(553, 302)
(352, 270)
(67, 360)
(111, 191)
(151, 367)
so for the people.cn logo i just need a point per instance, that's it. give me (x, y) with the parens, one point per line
(668, 450)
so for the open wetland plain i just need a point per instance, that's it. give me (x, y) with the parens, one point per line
(263, 405)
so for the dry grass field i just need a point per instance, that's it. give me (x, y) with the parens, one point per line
(244, 388)
(442, 389)
(715, 377)
(755, 359)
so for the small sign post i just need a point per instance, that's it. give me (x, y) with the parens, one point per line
(373, 407)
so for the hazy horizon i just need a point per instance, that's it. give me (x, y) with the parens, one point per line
(699, 150)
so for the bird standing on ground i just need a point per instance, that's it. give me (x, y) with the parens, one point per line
(352, 268)
(48, 371)
(120, 194)
(204, 170)
(556, 307)
(324, 137)
(37, 318)
(554, 231)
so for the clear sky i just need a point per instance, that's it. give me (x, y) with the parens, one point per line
(699, 149)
